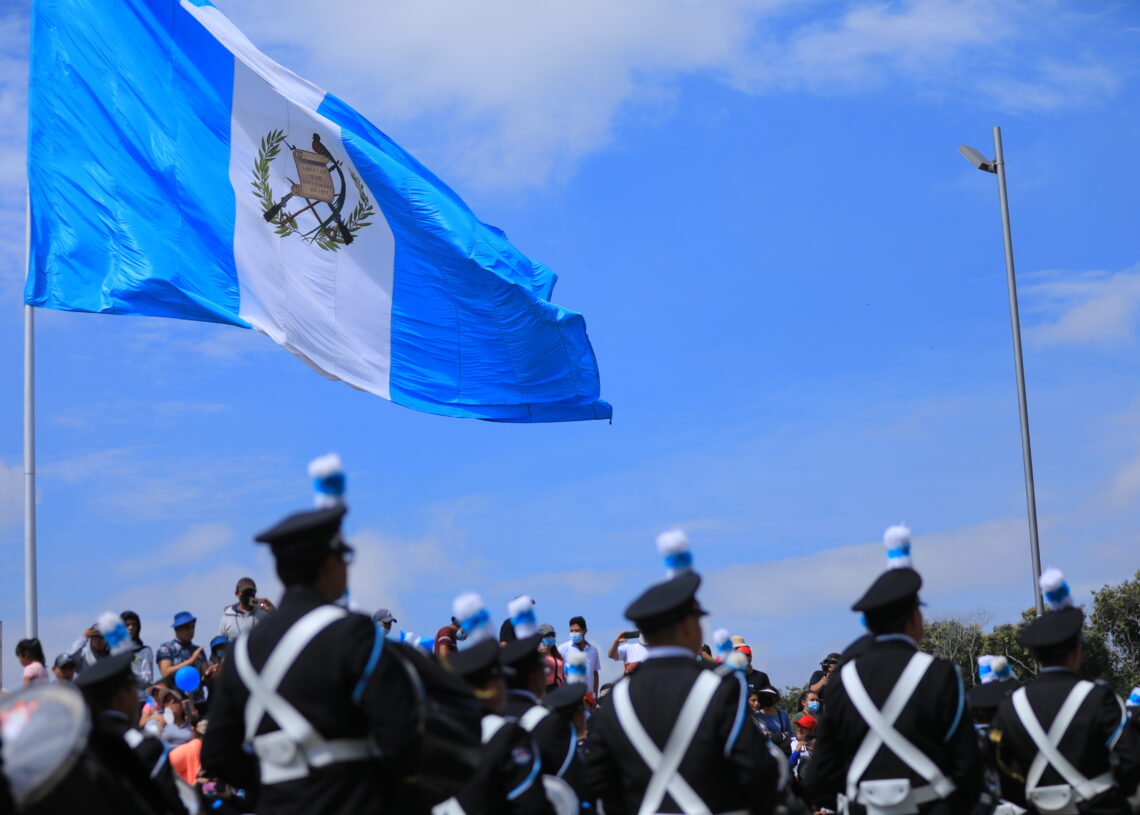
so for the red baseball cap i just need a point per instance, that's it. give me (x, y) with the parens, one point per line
(806, 721)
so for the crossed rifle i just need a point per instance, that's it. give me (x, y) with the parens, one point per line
(336, 205)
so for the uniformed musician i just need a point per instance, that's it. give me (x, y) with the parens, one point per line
(1063, 744)
(328, 712)
(140, 779)
(895, 738)
(674, 736)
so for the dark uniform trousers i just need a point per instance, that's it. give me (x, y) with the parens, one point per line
(934, 720)
(344, 692)
(1098, 741)
(727, 764)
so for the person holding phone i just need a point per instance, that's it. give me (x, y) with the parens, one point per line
(629, 648)
(247, 612)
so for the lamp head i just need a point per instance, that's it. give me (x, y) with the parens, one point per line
(977, 159)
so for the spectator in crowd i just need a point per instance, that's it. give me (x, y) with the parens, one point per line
(810, 703)
(447, 639)
(247, 612)
(181, 651)
(31, 656)
(142, 663)
(383, 618)
(775, 721)
(803, 743)
(578, 640)
(628, 648)
(64, 668)
(820, 678)
(169, 718)
(186, 758)
(219, 647)
(89, 649)
(555, 664)
(756, 680)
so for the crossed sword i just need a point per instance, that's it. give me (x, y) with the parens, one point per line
(336, 206)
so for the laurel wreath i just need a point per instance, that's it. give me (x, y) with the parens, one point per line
(329, 238)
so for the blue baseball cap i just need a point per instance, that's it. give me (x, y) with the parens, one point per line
(182, 618)
(219, 640)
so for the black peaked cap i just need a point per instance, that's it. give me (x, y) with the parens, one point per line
(989, 695)
(480, 660)
(667, 602)
(105, 672)
(521, 653)
(891, 587)
(1053, 628)
(315, 528)
(566, 697)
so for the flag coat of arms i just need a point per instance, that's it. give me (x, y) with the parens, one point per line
(176, 171)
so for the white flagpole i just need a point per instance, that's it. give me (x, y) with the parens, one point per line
(31, 621)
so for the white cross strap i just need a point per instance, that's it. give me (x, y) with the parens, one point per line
(263, 696)
(664, 764)
(881, 727)
(1048, 744)
(287, 753)
(532, 717)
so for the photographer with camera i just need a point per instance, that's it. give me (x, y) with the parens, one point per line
(247, 612)
(820, 678)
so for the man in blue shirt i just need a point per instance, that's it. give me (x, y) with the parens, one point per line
(181, 652)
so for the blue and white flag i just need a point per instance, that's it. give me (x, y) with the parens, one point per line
(176, 171)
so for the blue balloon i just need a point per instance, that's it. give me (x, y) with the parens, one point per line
(187, 678)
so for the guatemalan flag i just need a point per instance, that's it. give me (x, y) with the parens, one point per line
(176, 171)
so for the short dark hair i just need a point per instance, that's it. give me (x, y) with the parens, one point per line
(301, 566)
(891, 618)
(1055, 654)
(127, 616)
(245, 581)
(32, 649)
(579, 620)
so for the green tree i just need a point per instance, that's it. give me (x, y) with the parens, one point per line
(1115, 622)
(958, 639)
(1095, 661)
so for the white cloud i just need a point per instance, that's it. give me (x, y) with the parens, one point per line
(191, 547)
(1126, 483)
(1085, 307)
(512, 93)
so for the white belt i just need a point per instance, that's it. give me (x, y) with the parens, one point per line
(894, 796)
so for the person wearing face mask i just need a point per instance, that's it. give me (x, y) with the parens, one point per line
(555, 664)
(593, 659)
(448, 638)
(810, 703)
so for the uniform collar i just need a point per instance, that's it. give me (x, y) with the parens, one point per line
(667, 651)
(522, 694)
(1056, 669)
(896, 638)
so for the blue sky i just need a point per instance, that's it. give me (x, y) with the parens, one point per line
(794, 285)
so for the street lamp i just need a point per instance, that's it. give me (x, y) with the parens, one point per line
(997, 166)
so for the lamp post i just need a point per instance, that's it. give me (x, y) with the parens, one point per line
(997, 166)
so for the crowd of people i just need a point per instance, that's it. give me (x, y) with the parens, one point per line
(310, 708)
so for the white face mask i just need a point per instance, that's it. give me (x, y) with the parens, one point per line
(168, 715)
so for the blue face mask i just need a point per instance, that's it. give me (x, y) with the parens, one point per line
(576, 637)
(549, 642)
(813, 706)
(461, 635)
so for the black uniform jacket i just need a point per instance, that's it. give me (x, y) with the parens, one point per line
(140, 780)
(557, 741)
(727, 764)
(1099, 721)
(320, 685)
(508, 780)
(935, 720)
